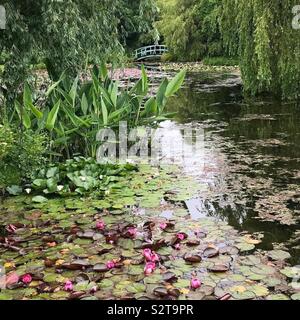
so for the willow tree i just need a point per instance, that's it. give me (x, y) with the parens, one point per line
(66, 34)
(268, 45)
(191, 28)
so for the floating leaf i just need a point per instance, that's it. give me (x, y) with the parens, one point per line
(278, 255)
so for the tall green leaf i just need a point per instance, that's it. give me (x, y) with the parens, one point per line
(103, 71)
(23, 115)
(55, 84)
(84, 104)
(161, 93)
(104, 112)
(150, 107)
(52, 116)
(73, 91)
(27, 99)
(175, 83)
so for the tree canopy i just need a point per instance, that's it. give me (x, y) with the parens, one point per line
(191, 28)
(67, 34)
(268, 46)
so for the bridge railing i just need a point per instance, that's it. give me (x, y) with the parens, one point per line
(150, 51)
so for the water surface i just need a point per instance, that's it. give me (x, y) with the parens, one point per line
(251, 158)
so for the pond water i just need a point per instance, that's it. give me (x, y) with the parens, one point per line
(250, 163)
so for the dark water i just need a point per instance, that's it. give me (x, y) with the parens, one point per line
(252, 166)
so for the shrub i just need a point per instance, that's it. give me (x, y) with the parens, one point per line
(22, 154)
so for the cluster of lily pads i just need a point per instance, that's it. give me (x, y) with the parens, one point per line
(198, 67)
(139, 242)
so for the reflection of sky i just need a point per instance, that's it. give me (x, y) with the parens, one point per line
(181, 145)
(206, 161)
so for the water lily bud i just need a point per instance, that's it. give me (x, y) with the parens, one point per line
(154, 257)
(147, 253)
(163, 226)
(110, 264)
(132, 231)
(26, 278)
(149, 268)
(100, 225)
(195, 283)
(68, 286)
(177, 246)
(180, 236)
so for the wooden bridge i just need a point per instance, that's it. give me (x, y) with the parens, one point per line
(150, 52)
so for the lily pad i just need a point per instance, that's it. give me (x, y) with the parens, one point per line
(278, 255)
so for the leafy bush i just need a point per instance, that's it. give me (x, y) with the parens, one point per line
(7, 139)
(78, 175)
(22, 153)
(73, 111)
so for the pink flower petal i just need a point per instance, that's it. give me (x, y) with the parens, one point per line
(110, 264)
(163, 226)
(68, 286)
(100, 225)
(195, 283)
(26, 278)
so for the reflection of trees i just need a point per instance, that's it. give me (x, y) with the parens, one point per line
(248, 121)
(244, 219)
(193, 104)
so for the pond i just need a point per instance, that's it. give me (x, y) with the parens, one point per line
(188, 231)
(252, 158)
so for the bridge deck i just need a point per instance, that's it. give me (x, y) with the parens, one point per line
(150, 52)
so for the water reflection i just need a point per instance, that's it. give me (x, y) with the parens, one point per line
(250, 162)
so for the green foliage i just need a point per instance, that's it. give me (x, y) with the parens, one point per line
(191, 28)
(7, 139)
(268, 46)
(79, 175)
(22, 153)
(68, 34)
(73, 111)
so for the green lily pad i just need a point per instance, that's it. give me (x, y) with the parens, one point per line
(296, 296)
(106, 284)
(136, 288)
(259, 290)
(39, 199)
(279, 296)
(278, 255)
(247, 295)
(291, 272)
(182, 283)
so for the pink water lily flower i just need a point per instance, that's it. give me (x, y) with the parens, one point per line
(147, 253)
(177, 246)
(195, 283)
(100, 225)
(26, 278)
(163, 226)
(132, 231)
(154, 257)
(110, 264)
(68, 286)
(180, 236)
(149, 268)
